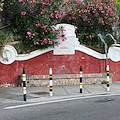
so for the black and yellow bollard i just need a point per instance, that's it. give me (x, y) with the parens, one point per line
(24, 84)
(108, 86)
(50, 76)
(80, 79)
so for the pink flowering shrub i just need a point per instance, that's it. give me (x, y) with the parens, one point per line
(91, 17)
(34, 21)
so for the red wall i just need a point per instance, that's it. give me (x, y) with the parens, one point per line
(115, 70)
(60, 64)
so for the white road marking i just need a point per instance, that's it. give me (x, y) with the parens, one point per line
(61, 100)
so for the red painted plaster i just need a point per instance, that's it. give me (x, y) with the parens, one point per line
(60, 64)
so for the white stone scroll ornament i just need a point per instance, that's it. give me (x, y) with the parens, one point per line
(68, 46)
(9, 54)
(114, 52)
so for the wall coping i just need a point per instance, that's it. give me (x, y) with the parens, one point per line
(90, 52)
(22, 57)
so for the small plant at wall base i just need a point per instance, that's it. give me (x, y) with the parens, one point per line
(104, 82)
(34, 21)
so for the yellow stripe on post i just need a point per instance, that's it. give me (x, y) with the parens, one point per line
(107, 70)
(50, 76)
(24, 89)
(24, 84)
(80, 79)
(50, 88)
(24, 76)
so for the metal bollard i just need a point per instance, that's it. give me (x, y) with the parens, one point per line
(24, 84)
(80, 79)
(50, 76)
(108, 87)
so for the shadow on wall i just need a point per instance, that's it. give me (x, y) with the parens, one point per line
(63, 70)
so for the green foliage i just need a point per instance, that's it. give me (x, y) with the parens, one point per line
(1, 5)
(104, 82)
(34, 22)
(117, 2)
(90, 18)
(3, 37)
(23, 48)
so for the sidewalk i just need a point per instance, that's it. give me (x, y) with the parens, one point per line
(39, 94)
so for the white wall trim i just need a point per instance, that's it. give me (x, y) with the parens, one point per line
(33, 54)
(90, 52)
(81, 48)
(22, 57)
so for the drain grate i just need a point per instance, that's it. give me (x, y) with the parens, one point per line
(41, 93)
(104, 100)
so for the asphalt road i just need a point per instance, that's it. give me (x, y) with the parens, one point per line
(92, 108)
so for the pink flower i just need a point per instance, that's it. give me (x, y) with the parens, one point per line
(63, 39)
(90, 36)
(50, 42)
(36, 43)
(23, 13)
(105, 17)
(100, 8)
(41, 12)
(33, 34)
(69, 18)
(57, 44)
(45, 39)
(102, 11)
(53, 30)
(11, 3)
(20, 0)
(45, 26)
(42, 43)
(52, 15)
(58, 36)
(117, 17)
(113, 25)
(83, 19)
(29, 33)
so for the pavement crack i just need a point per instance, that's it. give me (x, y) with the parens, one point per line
(103, 87)
(66, 90)
(86, 89)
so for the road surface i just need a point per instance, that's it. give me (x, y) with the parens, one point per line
(87, 108)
